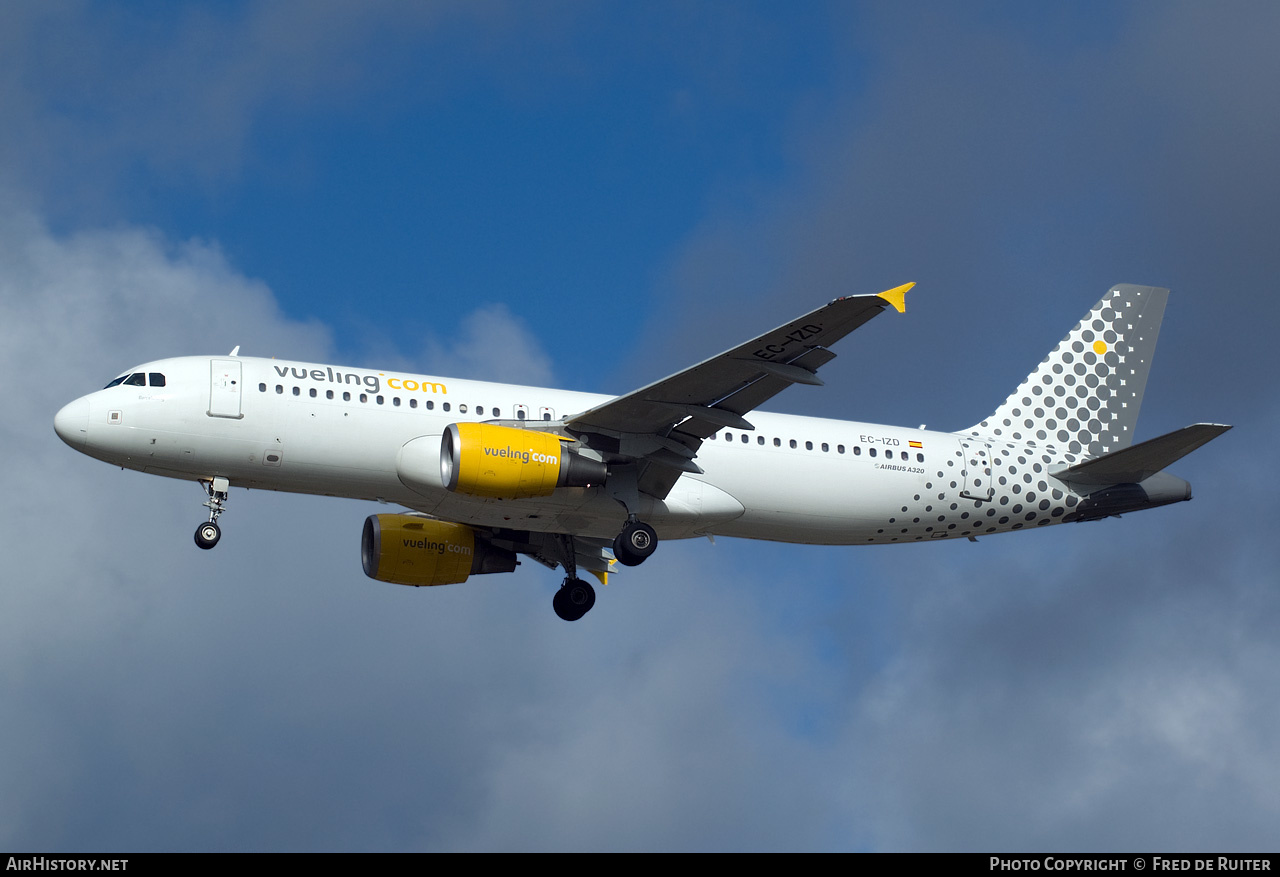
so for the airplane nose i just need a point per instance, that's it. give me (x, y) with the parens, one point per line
(72, 423)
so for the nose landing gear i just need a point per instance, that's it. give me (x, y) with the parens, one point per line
(208, 534)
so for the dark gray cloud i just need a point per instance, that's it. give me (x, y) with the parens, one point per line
(1094, 687)
(1015, 180)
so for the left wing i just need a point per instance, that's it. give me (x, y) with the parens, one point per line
(661, 426)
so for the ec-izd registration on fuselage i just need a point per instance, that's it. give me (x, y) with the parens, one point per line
(489, 473)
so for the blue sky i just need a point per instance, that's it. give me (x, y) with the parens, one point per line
(595, 195)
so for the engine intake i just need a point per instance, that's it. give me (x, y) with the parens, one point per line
(483, 459)
(409, 550)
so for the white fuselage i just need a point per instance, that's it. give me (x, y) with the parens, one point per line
(332, 431)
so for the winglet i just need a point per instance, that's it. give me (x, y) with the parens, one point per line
(897, 297)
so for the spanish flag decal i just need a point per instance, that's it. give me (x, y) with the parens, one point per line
(915, 445)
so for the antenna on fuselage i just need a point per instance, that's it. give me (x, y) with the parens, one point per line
(235, 351)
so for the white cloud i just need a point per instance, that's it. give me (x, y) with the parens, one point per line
(491, 345)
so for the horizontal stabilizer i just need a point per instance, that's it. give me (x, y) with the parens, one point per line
(1138, 462)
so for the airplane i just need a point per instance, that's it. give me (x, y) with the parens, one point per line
(488, 473)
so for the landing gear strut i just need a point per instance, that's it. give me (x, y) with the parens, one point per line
(635, 543)
(575, 597)
(208, 534)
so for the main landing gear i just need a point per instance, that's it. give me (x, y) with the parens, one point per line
(635, 543)
(575, 597)
(208, 534)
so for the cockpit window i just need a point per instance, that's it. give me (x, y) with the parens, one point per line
(138, 379)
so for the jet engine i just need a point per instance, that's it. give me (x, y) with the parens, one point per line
(409, 550)
(483, 459)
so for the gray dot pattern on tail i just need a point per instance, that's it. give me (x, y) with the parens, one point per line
(1083, 397)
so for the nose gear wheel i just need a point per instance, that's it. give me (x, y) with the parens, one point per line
(208, 534)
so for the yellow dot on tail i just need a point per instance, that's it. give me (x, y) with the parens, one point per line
(1099, 347)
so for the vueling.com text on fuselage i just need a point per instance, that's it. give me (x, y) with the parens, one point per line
(371, 382)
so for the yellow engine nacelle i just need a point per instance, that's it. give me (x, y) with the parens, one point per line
(483, 459)
(409, 550)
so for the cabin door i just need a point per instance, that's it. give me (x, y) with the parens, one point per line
(224, 388)
(977, 471)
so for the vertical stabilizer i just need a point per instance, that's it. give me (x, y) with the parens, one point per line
(1085, 396)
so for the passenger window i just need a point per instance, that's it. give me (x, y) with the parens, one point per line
(496, 412)
(759, 439)
(413, 403)
(395, 400)
(364, 397)
(919, 458)
(728, 436)
(262, 388)
(430, 404)
(444, 406)
(297, 391)
(839, 449)
(808, 446)
(546, 415)
(346, 397)
(328, 394)
(519, 414)
(312, 392)
(793, 444)
(380, 400)
(745, 438)
(872, 452)
(279, 389)
(857, 450)
(138, 379)
(155, 379)
(462, 409)
(777, 443)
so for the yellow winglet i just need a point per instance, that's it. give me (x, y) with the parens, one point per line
(897, 297)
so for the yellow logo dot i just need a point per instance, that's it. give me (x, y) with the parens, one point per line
(1099, 347)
